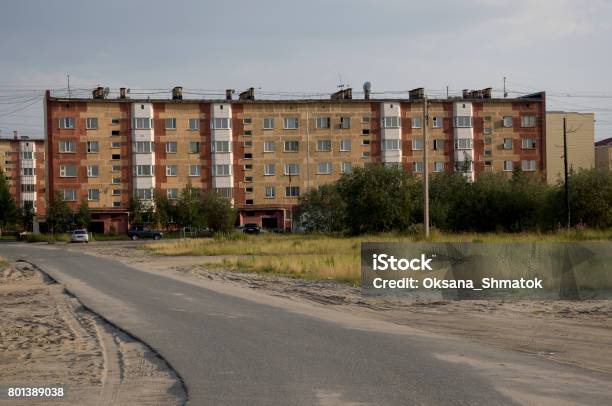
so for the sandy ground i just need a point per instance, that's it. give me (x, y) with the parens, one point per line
(47, 339)
(572, 332)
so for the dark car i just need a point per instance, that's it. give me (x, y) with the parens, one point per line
(137, 232)
(251, 228)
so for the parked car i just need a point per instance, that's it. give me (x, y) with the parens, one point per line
(251, 228)
(79, 236)
(137, 232)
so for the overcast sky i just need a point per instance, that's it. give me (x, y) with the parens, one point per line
(561, 46)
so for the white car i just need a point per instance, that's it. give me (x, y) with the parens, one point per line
(79, 236)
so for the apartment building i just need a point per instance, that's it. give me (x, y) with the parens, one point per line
(603, 154)
(580, 129)
(265, 154)
(23, 162)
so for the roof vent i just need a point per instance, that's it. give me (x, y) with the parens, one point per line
(123, 92)
(177, 93)
(486, 93)
(466, 93)
(99, 93)
(367, 88)
(248, 94)
(229, 93)
(417, 94)
(344, 94)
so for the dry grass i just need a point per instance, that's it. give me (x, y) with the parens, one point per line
(327, 257)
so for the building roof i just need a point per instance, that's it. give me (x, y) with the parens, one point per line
(605, 142)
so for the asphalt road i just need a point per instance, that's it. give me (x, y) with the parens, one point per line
(234, 351)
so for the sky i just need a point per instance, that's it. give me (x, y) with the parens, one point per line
(308, 47)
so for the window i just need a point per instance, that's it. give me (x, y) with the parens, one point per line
(365, 142)
(248, 144)
(116, 192)
(29, 154)
(390, 145)
(116, 181)
(416, 122)
(417, 167)
(488, 140)
(463, 121)
(507, 122)
(486, 131)
(346, 167)
(487, 119)
(28, 172)
(93, 171)
(248, 201)
(143, 170)
(365, 154)
(417, 144)
(248, 167)
(93, 194)
(68, 171)
(508, 166)
(171, 147)
(68, 195)
(221, 124)
(345, 122)
(172, 193)
(248, 155)
(248, 189)
(392, 165)
(27, 188)
(226, 192)
(323, 145)
(221, 170)
(115, 132)
(365, 131)
(116, 168)
(114, 120)
(171, 170)
(488, 152)
(194, 124)
(221, 147)
(324, 168)
(247, 120)
(390, 122)
(463, 143)
(143, 123)
(292, 191)
(269, 146)
(487, 163)
(170, 123)
(194, 147)
(142, 147)
(323, 122)
(144, 194)
(66, 122)
(438, 166)
(345, 145)
(115, 144)
(116, 204)
(248, 133)
(194, 170)
(529, 143)
(528, 121)
(292, 146)
(291, 123)
(438, 145)
(268, 123)
(292, 169)
(67, 146)
(269, 169)
(507, 143)
(528, 165)
(93, 147)
(365, 120)
(437, 122)
(270, 192)
(92, 123)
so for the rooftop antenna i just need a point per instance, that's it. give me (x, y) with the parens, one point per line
(505, 93)
(68, 85)
(340, 84)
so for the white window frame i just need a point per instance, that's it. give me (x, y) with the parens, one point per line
(144, 194)
(291, 123)
(528, 143)
(93, 171)
(172, 193)
(437, 122)
(528, 121)
(463, 121)
(528, 165)
(194, 170)
(345, 145)
(142, 123)
(346, 167)
(417, 144)
(170, 123)
(345, 123)
(289, 169)
(193, 124)
(142, 147)
(508, 165)
(323, 122)
(291, 142)
(194, 147)
(507, 121)
(91, 123)
(324, 145)
(270, 192)
(390, 145)
(269, 146)
(438, 166)
(66, 123)
(416, 122)
(26, 155)
(464, 143)
(93, 147)
(391, 122)
(268, 123)
(173, 149)
(144, 170)
(171, 170)
(269, 169)
(64, 169)
(292, 191)
(221, 147)
(221, 123)
(438, 144)
(417, 166)
(222, 170)
(324, 168)
(508, 143)
(67, 147)
(91, 193)
(71, 197)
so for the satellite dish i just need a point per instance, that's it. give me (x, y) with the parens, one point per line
(367, 86)
(106, 91)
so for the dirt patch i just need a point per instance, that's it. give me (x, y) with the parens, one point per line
(572, 332)
(47, 339)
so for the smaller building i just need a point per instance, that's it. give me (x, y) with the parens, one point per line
(580, 129)
(603, 154)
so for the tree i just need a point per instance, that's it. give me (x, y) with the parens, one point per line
(135, 210)
(83, 216)
(59, 215)
(322, 210)
(590, 197)
(8, 208)
(217, 212)
(26, 218)
(165, 211)
(188, 208)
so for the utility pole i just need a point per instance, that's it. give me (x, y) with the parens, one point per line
(425, 166)
(566, 177)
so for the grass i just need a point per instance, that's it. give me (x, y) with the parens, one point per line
(38, 237)
(328, 257)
